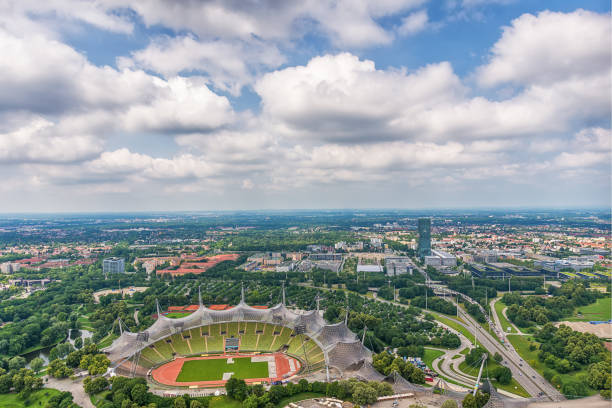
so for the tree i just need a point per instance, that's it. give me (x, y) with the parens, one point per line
(37, 364)
(195, 404)
(179, 402)
(469, 401)
(58, 369)
(481, 399)
(449, 403)
(252, 401)
(139, 394)
(96, 385)
(497, 357)
(17, 363)
(364, 394)
(236, 389)
(503, 375)
(6, 382)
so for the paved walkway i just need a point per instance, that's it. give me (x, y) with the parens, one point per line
(75, 387)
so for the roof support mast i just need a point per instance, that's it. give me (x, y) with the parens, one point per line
(484, 358)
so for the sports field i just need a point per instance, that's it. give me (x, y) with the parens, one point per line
(213, 370)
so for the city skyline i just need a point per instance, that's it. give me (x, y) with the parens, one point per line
(124, 106)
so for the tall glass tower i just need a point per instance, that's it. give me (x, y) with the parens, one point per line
(424, 246)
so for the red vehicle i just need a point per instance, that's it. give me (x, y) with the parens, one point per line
(429, 379)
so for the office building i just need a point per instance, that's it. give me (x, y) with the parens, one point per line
(440, 259)
(398, 265)
(369, 268)
(424, 246)
(113, 265)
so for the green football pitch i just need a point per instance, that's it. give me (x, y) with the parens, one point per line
(212, 370)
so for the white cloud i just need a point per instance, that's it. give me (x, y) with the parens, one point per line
(182, 105)
(581, 160)
(229, 65)
(41, 141)
(49, 77)
(343, 99)
(414, 23)
(340, 98)
(550, 47)
(27, 16)
(345, 22)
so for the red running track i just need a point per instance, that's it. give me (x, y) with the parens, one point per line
(167, 373)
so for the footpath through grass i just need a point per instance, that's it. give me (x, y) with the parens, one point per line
(499, 306)
(213, 370)
(36, 399)
(600, 310)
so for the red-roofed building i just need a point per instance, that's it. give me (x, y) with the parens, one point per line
(219, 307)
(192, 308)
(259, 307)
(187, 267)
(176, 308)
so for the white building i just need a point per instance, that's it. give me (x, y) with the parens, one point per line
(369, 268)
(113, 265)
(398, 265)
(441, 259)
(9, 267)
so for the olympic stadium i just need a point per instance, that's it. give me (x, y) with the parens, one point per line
(207, 347)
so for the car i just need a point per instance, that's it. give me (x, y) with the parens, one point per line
(533, 376)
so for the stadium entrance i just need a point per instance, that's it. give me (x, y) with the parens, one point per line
(232, 344)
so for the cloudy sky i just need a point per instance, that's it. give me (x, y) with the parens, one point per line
(110, 105)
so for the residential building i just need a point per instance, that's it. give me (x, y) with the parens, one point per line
(9, 267)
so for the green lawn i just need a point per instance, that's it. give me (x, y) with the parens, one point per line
(224, 402)
(521, 344)
(499, 306)
(176, 315)
(84, 323)
(298, 397)
(514, 387)
(106, 341)
(212, 370)
(599, 310)
(430, 356)
(37, 399)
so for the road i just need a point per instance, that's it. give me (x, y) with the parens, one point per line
(530, 379)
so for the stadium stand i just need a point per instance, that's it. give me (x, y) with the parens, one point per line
(306, 336)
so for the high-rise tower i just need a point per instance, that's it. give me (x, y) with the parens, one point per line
(424, 246)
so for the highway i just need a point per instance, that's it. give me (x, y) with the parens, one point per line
(530, 379)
